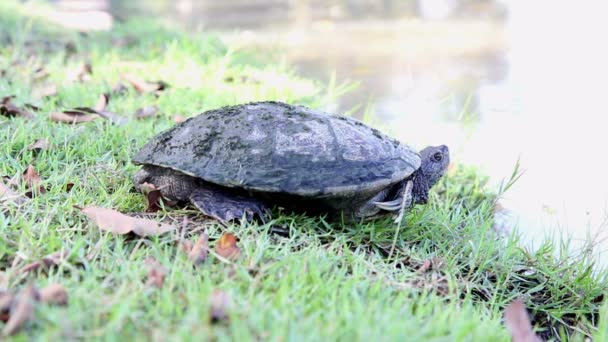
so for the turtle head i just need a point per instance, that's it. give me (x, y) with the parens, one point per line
(435, 161)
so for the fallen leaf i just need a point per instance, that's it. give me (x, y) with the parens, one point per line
(39, 145)
(68, 187)
(6, 301)
(154, 197)
(7, 99)
(124, 41)
(426, 265)
(40, 73)
(118, 223)
(518, 323)
(22, 310)
(198, 252)
(186, 246)
(8, 195)
(10, 110)
(82, 73)
(156, 273)
(179, 119)
(102, 102)
(142, 86)
(46, 90)
(72, 117)
(226, 247)
(146, 112)
(32, 180)
(119, 89)
(52, 259)
(54, 294)
(113, 117)
(219, 303)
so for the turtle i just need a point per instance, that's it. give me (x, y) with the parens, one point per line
(238, 162)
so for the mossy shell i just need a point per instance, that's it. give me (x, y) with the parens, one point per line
(280, 148)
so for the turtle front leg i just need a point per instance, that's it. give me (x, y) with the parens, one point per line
(406, 201)
(402, 202)
(226, 205)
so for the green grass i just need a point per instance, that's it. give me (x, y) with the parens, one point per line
(321, 282)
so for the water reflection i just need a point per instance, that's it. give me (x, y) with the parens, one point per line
(495, 87)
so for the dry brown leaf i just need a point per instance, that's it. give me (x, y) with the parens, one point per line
(118, 223)
(124, 41)
(143, 86)
(518, 323)
(53, 259)
(426, 265)
(6, 301)
(186, 246)
(156, 273)
(22, 310)
(10, 110)
(154, 197)
(179, 119)
(199, 251)
(68, 187)
(146, 112)
(82, 73)
(40, 73)
(7, 99)
(226, 247)
(46, 90)
(119, 89)
(8, 195)
(54, 294)
(219, 304)
(72, 117)
(113, 117)
(102, 102)
(32, 180)
(39, 145)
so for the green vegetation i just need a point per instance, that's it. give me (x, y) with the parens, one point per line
(445, 275)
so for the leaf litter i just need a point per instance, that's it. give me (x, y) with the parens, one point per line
(9, 196)
(156, 273)
(227, 248)
(53, 259)
(10, 110)
(17, 310)
(115, 222)
(219, 304)
(87, 114)
(39, 145)
(54, 294)
(518, 323)
(154, 197)
(142, 86)
(197, 252)
(32, 180)
(146, 112)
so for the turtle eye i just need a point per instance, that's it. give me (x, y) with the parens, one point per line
(437, 157)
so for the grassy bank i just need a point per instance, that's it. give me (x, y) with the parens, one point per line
(446, 275)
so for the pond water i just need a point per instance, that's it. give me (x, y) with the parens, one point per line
(496, 81)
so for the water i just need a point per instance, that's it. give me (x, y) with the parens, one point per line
(496, 81)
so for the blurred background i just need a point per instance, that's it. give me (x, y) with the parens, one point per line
(498, 81)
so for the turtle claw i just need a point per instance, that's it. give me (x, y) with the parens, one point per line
(393, 205)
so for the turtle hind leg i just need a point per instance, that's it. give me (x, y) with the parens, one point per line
(227, 205)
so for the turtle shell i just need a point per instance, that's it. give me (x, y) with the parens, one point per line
(275, 147)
